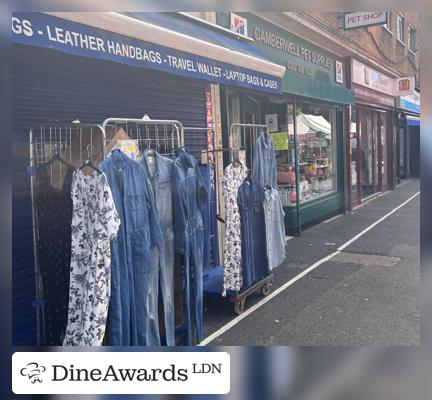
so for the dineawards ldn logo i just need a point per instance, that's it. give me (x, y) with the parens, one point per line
(33, 371)
(121, 372)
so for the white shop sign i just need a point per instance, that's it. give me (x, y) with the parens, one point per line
(364, 18)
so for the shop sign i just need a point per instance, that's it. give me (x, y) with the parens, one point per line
(405, 85)
(368, 77)
(409, 102)
(238, 24)
(292, 48)
(37, 29)
(339, 72)
(363, 93)
(280, 140)
(271, 120)
(364, 18)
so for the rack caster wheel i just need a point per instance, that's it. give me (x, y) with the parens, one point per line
(239, 307)
(265, 290)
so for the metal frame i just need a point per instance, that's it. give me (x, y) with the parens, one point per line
(150, 133)
(46, 140)
(252, 128)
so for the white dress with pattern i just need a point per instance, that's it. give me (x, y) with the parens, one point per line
(233, 178)
(95, 223)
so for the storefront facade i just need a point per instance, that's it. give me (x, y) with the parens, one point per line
(92, 66)
(408, 136)
(305, 121)
(370, 149)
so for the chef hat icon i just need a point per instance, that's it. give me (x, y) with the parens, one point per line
(32, 371)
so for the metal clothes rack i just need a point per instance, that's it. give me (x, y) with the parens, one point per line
(247, 135)
(164, 136)
(73, 142)
(241, 136)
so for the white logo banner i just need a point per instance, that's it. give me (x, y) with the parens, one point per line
(103, 372)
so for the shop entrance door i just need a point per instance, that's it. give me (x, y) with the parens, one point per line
(372, 152)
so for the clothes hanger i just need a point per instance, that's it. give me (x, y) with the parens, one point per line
(88, 162)
(56, 157)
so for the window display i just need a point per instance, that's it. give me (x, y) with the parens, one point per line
(316, 149)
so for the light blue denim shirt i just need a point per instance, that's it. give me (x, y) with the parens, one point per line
(275, 228)
(264, 162)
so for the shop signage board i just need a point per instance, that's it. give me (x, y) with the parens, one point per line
(284, 48)
(239, 24)
(371, 96)
(405, 86)
(363, 75)
(310, 70)
(364, 18)
(41, 30)
(409, 102)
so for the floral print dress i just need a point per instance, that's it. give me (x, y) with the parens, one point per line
(233, 178)
(95, 223)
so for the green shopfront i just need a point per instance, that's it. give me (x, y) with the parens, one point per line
(306, 121)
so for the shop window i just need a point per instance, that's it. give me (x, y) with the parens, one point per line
(387, 25)
(412, 33)
(400, 28)
(316, 144)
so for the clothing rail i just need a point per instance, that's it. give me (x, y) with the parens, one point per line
(248, 136)
(72, 143)
(161, 135)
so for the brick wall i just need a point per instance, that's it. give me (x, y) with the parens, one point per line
(375, 42)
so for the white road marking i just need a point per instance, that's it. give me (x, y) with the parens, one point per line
(286, 285)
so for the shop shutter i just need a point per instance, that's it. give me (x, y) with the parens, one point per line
(49, 85)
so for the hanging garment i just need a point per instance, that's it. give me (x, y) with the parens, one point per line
(53, 208)
(158, 171)
(233, 178)
(188, 195)
(253, 234)
(275, 227)
(264, 170)
(206, 175)
(95, 223)
(139, 232)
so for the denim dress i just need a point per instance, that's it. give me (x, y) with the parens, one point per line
(139, 232)
(189, 193)
(253, 233)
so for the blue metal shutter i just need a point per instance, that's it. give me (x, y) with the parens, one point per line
(49, 85)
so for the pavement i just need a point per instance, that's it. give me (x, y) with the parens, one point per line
(369, 294)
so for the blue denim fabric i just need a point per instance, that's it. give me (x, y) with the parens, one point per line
(275, 227)
(264, 169)
(188, 195)
(253, 233)
(139, 231)
(162, 260)
(205, 214)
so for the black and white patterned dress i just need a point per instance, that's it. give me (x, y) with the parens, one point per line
(95, 223)
(233, 178)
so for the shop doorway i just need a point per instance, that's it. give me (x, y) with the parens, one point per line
(369, 143)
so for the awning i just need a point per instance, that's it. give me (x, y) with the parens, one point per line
(308, 123)
(294, 83)
(413, 121)
(186, 47)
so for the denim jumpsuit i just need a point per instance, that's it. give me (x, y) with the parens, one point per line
(188, 195)
(161, 261)
(253, 233)
(139, 232)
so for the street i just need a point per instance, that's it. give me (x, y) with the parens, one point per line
(366, 294)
